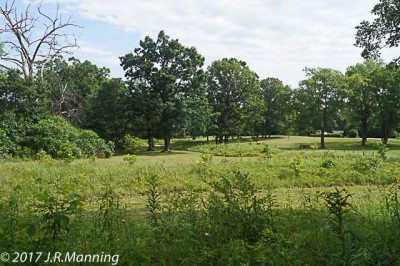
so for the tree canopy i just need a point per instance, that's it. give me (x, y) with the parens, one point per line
(322, 95)
(166, 75)
(276, 97)
(383, 31)
(233, 93)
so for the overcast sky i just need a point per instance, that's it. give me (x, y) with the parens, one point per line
(277, 38)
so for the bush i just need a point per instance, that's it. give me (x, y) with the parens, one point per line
(93, 146)
(353, 133)
(62, 140)
(131, 144)
(364, 164)
(334, 135)
(6, 145)
(131, 159)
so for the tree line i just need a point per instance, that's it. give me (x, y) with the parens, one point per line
(168, 92)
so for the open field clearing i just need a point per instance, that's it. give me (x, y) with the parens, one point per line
(206, 204)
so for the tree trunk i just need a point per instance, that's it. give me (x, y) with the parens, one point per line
(226, 139)
(323, 138)
(323, 130)
(363, 132)
(150, 140)
(385, 134)
(207, 139)
(167, 142)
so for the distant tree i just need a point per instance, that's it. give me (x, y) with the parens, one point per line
(26, 99)
(276, 97)
(199, 115)
(165, 75)
(305, 121)
(321, 95)
(145, 111)
(363, 88)
(383, 32)
(388, 100)
(32, 36)
(23, 102)
(234, 93)
(108, 114)
(72, 86)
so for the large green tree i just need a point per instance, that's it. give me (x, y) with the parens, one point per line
(383, 31)
(388, 101)
(363, 87)
(233, 92)
(109, 112)
(165, 75)
(23, 102)
(276, 97)
(322, 96)
(72, 86)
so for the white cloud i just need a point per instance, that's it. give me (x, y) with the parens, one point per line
(276, 38)
(99, 55)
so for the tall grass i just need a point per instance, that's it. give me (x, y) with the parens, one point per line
(275, 207)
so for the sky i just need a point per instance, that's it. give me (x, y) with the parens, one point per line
(276, 38)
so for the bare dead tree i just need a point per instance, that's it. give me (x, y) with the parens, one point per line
(32, 36)
(66, 102)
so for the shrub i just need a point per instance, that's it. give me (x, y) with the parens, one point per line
(24, 152)
(266, 149)
(364, 164)
(93, 146)
(334, 135)
(329, 160)
(131, 159)
(68, 151)
(62, 140)
(382, 150)
(6, 145)
(41, 155)
(353, 133)
(131, 144)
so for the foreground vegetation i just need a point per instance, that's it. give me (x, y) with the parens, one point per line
(256, 204)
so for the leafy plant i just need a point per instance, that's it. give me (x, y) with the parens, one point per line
(329, 160)
(382, 150)
(153, 201)
(54, 204)
(364, 164)
(203, 166)
(295, 165)
(353, 133)
(131, 159)
(7, 146)
(338, 205)
(62, 140)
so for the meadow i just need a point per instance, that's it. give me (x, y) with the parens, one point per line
(264, 202)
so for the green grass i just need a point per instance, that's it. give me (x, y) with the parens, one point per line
(246, 144)
(204, 202)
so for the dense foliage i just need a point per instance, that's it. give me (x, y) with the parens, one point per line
(168, 94)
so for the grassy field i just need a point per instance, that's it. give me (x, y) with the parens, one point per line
(244, 203)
